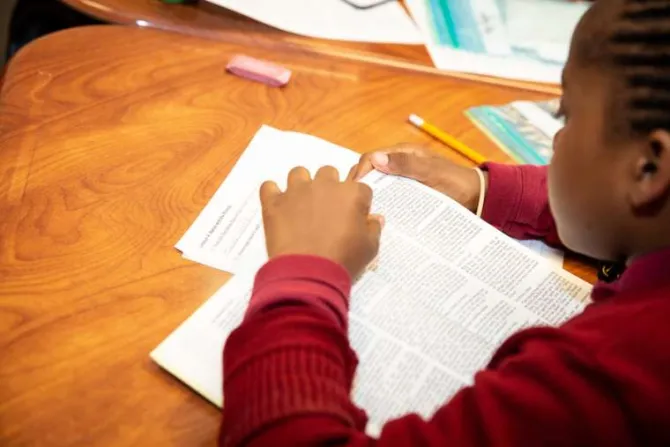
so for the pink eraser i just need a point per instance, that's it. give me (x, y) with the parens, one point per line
(258, 70)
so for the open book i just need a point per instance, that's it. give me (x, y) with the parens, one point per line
(446, 290)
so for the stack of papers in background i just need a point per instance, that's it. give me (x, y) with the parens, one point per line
(331, 19)
(446, 290)
(526, 40)
(524, 130)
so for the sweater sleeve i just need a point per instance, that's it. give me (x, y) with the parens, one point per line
(517, 202)
(289, 368)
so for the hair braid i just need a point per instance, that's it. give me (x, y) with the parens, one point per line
(639, 46)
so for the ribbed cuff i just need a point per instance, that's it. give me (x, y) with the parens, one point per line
(284, 364)
(516, 196)
(282, 384)
(309, 280)
(503, 194)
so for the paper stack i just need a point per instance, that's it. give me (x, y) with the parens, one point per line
(503, 38)
(446, 290)
(331, 19)
(524, 130)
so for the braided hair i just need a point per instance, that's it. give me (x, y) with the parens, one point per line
(631, 40)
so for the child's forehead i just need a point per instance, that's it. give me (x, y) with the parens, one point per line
(591, 37)
(580, 83)
(590, 63)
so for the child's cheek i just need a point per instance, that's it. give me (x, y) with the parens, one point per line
(563, 199)
(556, 144)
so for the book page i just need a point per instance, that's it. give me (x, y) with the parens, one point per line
(422, 321)
(446, 290)
(228, 233)
(194, 351)
(551, 254)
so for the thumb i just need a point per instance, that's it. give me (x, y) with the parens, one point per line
(404, 164)
(375, 225)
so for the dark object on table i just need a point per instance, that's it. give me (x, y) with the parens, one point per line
(610, 271)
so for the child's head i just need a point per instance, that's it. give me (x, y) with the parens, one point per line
(609, 179)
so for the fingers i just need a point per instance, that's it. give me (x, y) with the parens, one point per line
(352, 173)
(363, 167)
(369, 162)
(380, 161)
(364, 197)
(403, 159)
(375, 226)
(327, 173)
(298, 176)
(379, 218)
(269, 190)
(406, 165)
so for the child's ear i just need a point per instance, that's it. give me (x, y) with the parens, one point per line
(652, 174)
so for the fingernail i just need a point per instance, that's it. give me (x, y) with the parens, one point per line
(372, 267)
(380, 160)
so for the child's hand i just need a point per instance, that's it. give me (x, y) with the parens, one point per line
(322, 217)
(418, 163)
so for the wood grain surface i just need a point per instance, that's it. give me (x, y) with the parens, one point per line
(112, 139)
(209, 21)
(206, 20)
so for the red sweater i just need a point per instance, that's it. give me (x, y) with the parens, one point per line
(601, 379)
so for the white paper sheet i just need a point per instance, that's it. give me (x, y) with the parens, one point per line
(500, 65)
(446, 290)
(331, 19)
(418, 343)
(538, 117)
(228, 234)
(549, 38)
(553, 255)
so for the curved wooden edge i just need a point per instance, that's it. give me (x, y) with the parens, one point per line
(275, 49)
(211, 22)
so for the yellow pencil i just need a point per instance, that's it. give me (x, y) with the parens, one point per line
(447, 139)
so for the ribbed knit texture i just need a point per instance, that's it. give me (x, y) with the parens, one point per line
(600, 380)
(318, 281)
(517, 202)
(316, 375)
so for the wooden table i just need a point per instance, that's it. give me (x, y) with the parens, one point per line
(206, 20)
(111, 141)
(209, 21)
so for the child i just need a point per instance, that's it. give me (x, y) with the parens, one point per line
(601, 379)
